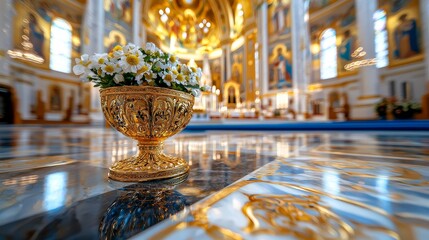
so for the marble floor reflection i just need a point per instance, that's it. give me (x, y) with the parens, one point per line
(242, 185)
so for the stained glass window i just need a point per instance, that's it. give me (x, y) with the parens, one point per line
(328, 54)
(61, 46)
(381, 42)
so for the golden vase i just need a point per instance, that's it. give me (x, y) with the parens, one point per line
(149, 115)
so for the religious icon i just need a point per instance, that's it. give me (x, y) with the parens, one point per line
(55, 99)
(280, 17)
(347, 46)
(236, 73)
(406, 38)
(116, 41)
(282, 69)
(120, 10)
(398, 5)
(231, 95)
(35, 34)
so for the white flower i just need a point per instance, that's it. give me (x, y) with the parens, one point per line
(130, 48)
(180, 78)
(199, 73)
(117, 52)
(196, 92)
(192, 80)
(150, 76)
(184, 69)
(118, 78)
(161, 65)
(132, 62)
(168, 78)
(83, 67)
(99, 59)
(142, 71)
(110, 68)
(150, 47)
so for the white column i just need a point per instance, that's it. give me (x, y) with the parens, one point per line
(93, 25)
(263, 46)
(137, 19)
(207, 75)
(6, 34)
(93, 22)
(369, 78)
(143, 38)
(424, 8)
(228, 61)
(301, 54)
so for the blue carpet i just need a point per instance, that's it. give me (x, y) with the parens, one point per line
(396, 125)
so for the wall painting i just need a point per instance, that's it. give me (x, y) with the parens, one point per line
(280, 66)
(118, 22)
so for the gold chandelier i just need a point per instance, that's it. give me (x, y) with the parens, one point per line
(359, 61)
(27, 53)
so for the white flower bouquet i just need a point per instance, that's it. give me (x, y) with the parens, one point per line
(133, 66)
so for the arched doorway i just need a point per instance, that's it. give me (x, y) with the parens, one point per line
(6, 105)
(334, 104)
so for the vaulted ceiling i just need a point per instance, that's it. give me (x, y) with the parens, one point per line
(194, 26)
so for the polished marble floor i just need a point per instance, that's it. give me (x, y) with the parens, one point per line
(242, 185)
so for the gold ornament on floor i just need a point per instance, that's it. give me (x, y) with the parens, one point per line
(149, 115)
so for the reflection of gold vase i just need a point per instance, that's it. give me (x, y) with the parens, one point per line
(141, 206)
(149, 115)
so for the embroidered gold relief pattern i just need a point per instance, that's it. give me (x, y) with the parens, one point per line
(149, 115)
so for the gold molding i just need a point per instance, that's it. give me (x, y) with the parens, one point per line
(248, 27)
(6, 76)
(398, 63)
(363, 105)
(364, 97)
(335, 85)
(226, 42)
(65, 81)
(344, 73)
(271, 94)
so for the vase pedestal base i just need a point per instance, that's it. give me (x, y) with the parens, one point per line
(149, 164)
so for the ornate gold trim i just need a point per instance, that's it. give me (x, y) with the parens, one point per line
(369, 97)
(149, 115)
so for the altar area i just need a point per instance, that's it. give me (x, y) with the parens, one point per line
(241, 185)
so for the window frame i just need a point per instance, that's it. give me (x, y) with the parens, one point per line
(60, 49)
(328, 63)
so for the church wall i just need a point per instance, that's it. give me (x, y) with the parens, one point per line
(344, 24)
(32, 27)
(29, 81)
(405, 72)
(33, 82)
(407, 80)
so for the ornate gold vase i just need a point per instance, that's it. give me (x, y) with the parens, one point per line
(149, 115)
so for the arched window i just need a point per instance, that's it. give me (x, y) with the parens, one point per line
(328, 54)
(381, 42)
(61, 46)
